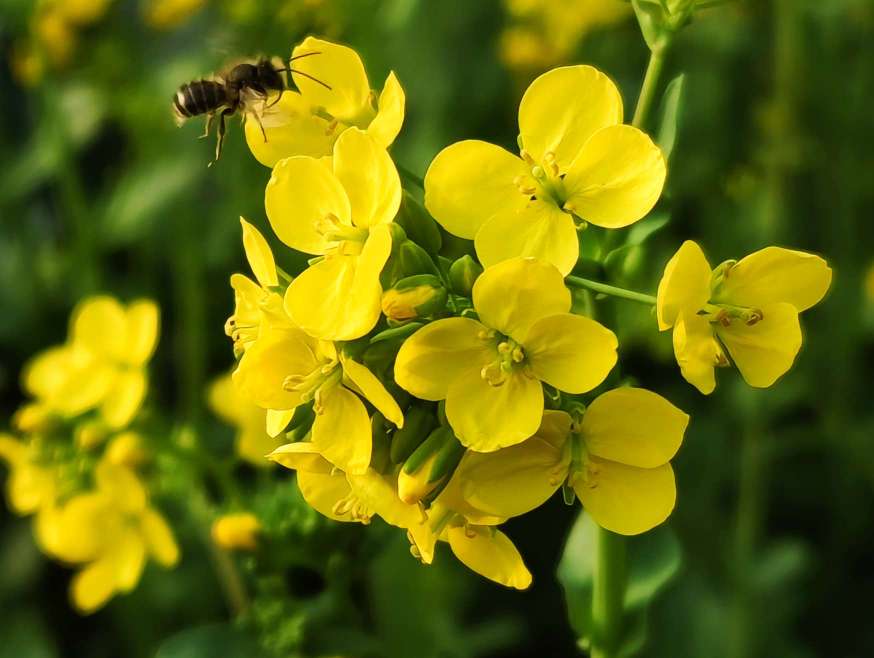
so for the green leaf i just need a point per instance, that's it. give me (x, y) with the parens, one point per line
(670, 115)
(653, 559)
(210, 641)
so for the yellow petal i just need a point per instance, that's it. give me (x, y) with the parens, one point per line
(773, 275)
(277, 420)
(124, 399)
(570, 352)
(302, 456)
(92, 587)
(765, 351)
(369, 177)
(12, 451)
(341, 431)
(338, 67)
(75, 532)
(390, 112)
(339, 297)
(633, 426)
(29, 488)
(225, 401)
(269, 361)
(259, 255)
(121, 485)
(323, 491)
(379, 493)
(373, 391)
(158, 538)
(685, 285)
(540, 230)
(490, 553)
(513, 295)
(617, 178)
(129, 552)
(486, 417)
(438, 353)
(470, 182)
(99, 324)
(291, 129)
(254, 444)
(625, 499)
(301, 193)
(518, 479)
(141, 336)
(563, 108)
(696, 351)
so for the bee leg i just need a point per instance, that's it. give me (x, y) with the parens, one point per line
(209, 118)
(276, 101)
(221, 134)
(260, 125)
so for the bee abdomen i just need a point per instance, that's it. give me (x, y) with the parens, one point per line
(199, 97)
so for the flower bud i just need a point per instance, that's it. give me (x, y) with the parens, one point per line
(236, 532)
(414, 297)
(127, 449)
(90, 434)
(32, 417)
(462, 273)
(419, 420)
(429, 468)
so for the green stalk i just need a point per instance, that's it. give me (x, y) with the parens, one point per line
(607, 289)
(648, 90)
(608, 594)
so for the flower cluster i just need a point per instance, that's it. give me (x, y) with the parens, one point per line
(411, 381)
(76, 465)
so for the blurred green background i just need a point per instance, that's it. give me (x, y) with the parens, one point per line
(99, 191)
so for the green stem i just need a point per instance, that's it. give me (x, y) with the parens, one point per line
(650, 85)
(607, 289)
(410, 176)
(608, 594)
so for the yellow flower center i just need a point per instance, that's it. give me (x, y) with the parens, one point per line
(333, 230)
(352, 507)
(509, 356)
(240, 334)
(544, 182)
(316, 384)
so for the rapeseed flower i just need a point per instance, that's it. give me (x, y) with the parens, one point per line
(577, 160)
(745, 310)
(490, 370)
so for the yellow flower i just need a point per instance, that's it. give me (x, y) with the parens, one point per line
(82, 12)
(236, 532)
(489, 371)
(616, 460)
(110, 531)
(746, 310)
(341, 212)
(577, 159)
(31, 486)
(286, 368)
(256, 305)
(253, 441)
(167, 14)
(308, 123)
(101, 365)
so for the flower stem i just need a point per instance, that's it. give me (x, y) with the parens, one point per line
(607, 289)
(608, 594)
(650, 84)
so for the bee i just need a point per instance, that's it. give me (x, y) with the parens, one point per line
(238, 90)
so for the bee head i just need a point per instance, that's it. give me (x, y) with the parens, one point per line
(269, 76)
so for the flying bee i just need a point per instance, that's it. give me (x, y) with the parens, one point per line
(239, 90)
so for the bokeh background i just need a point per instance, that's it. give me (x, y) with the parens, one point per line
(100, 191)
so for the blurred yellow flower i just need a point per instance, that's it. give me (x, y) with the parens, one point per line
(287, 368)
(81, 12)
(167, 14)
(110, 532)
(31, 485)
(253, 441)
(542, 34)
(340, 211)
(489, 371)
(236, 532)
(746, 310)
(103, 363)
(616, 459)
(309, 122)
(577, 159)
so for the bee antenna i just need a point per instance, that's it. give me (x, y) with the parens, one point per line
(306, 75)
(304, 55)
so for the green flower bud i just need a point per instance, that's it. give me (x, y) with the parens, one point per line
(414, 297)
(379, 458)
(430, 467)
(419, 420)
(462, 273)
(418, 224)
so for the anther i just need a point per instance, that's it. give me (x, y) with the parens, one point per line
(518, 355)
